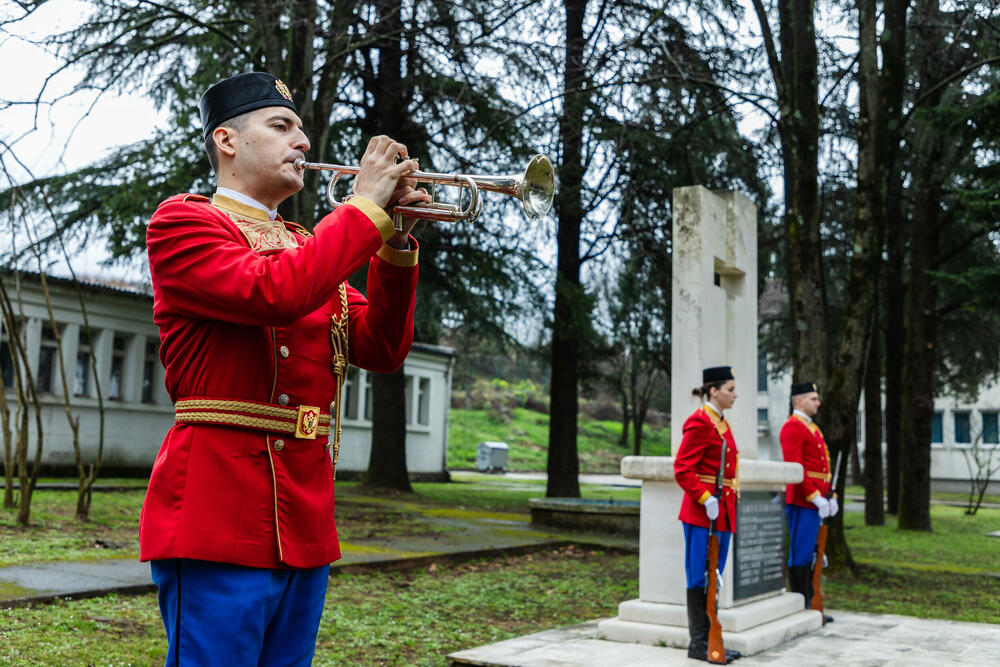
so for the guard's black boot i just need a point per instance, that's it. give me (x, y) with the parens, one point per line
(799, 581)
(697, 624)
(809, 585)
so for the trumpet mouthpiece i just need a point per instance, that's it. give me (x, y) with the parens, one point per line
(300, 163)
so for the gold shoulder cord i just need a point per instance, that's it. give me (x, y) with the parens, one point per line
(722, 434)
(339, 364)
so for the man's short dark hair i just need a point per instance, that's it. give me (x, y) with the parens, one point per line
(238, 123)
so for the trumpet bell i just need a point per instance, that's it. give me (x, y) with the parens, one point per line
(538, 187)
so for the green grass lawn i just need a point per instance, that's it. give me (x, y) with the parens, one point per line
(399, 618)
(952, 572)
(527, 434)
(55, 534)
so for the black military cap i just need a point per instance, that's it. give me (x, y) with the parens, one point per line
(803, 388)
(242, 93)
(717, 374)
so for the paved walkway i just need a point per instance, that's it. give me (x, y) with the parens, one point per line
(869, 640)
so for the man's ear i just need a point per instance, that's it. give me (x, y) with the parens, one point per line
(225, 140)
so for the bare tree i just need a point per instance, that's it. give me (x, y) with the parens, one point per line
(982, 462)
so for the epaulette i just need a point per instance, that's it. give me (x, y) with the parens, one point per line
(297, 228)
(190, 197)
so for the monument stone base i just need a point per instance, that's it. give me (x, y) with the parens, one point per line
(749, 628)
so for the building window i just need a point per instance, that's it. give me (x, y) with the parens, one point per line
(368, 397)
(6, 364)
(6, 358)
(937, 427)
(962, 432)
(423, 401)
(991, 434)
(47, 358)
(762, 419)
(115, 389)
(408, 391)
(350, 394)
(81, 381)
(422, 386)
(762, 371)
(149, 371)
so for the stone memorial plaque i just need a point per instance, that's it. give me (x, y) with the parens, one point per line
(759, 544)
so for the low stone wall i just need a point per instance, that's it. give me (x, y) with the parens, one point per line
(592, 516)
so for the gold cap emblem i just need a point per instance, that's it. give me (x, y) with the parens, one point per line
(282, 89)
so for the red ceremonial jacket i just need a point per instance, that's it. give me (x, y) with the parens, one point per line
(802, 442)
(697, 464)
(244, 308)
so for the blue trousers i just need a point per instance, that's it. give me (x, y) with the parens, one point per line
(803, 527)
(696, 553)
(221, 614)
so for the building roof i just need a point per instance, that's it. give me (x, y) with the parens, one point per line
(95, 284)
(440, 350)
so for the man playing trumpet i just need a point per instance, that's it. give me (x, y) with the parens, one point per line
(257, 326)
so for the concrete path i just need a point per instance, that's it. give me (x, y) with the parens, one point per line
(854, 639)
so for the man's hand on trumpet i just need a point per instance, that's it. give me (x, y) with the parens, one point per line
(406, 195)
(384, 180)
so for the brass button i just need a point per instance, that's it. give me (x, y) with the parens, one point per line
(283, 399)
(283, 351)
(279, 445)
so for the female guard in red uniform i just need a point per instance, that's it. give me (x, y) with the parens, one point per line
(695, 467)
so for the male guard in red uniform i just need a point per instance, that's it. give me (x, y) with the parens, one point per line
(695, 468)
(257, 326)
(806, 503)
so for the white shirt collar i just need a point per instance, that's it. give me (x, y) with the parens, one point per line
(249, 201)
(803, 415)
(714, 408)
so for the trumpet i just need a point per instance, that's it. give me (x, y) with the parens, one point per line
(534, 188)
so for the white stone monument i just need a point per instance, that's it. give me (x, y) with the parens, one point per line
(714, 323)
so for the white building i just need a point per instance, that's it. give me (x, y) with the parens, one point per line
(138, 411)
(956, 426)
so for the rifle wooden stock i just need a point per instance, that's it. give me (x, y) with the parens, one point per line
(716, 650)
(817, 598)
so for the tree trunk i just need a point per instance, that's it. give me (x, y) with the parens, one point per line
(921, 316)
(918, 379)
(893, 83)
(626, 414)
(844, 388)
(799, 131)
(874, 514)
(387, 462)
(568, 316)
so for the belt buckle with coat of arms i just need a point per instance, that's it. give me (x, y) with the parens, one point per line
(307, 423)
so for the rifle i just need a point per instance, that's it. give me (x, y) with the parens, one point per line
(716, 650)
(817, 597)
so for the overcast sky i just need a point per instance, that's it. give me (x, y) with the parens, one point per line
(55, 142)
